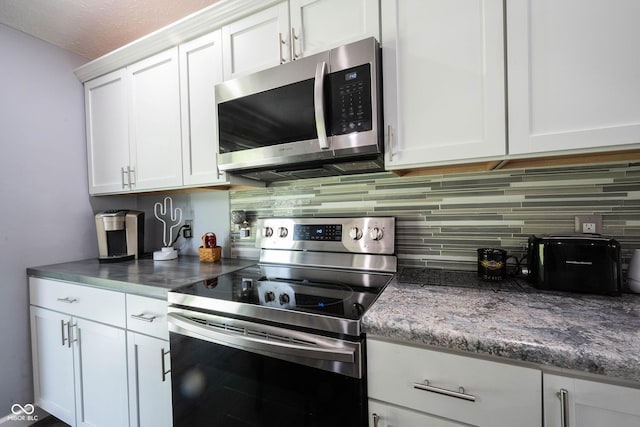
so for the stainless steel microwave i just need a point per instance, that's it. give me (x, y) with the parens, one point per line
(317, 116)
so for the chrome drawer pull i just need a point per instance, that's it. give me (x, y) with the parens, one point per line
(142, 317)
(563, 395)
(460, 394)
(68, 300)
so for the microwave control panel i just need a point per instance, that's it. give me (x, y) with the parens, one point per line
(351, 100)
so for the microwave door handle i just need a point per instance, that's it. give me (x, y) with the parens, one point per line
(318, 104)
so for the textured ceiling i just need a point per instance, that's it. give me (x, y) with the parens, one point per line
(92, 28)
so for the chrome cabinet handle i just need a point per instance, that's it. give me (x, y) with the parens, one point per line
(122, 172)
(460, 394)
(132, 172)
(318, 104)
(144, 318)
(62, 326)
(165, 371)
(376, 419)
(70, 334)
(280, 44)
(68, 300)
(563, 395)
(389, 148)
(294, 55)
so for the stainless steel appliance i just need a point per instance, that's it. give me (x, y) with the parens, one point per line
(280, 343)
(317, 116)
(577, 263)
(120, 235)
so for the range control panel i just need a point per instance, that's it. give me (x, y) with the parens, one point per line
(371, 235)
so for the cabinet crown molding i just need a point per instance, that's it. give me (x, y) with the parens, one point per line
(197, 24)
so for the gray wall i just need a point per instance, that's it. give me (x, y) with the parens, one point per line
(45, 216)
(442, 220)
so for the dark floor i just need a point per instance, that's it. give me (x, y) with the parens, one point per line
(50, 421)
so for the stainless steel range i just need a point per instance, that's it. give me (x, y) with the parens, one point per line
(280, 343)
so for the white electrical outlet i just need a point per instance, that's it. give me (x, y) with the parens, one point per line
(591, 224)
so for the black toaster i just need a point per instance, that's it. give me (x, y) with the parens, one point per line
(575, 263)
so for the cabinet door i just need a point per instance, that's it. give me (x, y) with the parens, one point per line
(384, 415)
(52, 364)
(149, 381)
(200, 71)
(256, 42)
(573, 74)
(155, 137)
(100, 364)
(443, 67)
(318, 25)
(106, 111)
(588, 403)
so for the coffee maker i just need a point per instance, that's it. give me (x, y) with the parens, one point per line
(120, 235)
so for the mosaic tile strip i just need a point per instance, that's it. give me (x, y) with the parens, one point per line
(442, 219)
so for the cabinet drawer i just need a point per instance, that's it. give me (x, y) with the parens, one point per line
(147, 316)
(78, 300)
(492, 393)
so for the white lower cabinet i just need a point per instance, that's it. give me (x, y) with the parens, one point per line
(149, 381)
(149, 362)
(79, 368)
(572, 402)
(100, 358)
(410, 385)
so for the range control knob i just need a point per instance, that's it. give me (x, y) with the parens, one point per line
(355, 233)
(284, 299)
(269, 296)
(376, 233)
(268, 232)
(283, 232)
(357, 309)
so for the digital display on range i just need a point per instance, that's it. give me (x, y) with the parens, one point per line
(315, 232)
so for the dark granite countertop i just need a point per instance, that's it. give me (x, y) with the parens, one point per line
(588, 333)
(144, 277)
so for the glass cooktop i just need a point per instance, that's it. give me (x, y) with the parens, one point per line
(335, 293)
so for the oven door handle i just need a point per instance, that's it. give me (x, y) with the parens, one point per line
(240, 339)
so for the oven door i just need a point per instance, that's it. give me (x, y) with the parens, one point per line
(231, 372)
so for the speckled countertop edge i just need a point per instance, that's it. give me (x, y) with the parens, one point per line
(144, 277)
(587, 333)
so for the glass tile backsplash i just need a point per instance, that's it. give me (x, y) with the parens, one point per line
(442, 219)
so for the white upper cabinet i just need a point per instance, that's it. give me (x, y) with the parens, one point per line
(443, 67)
(291, 30)
(318, 25)
(200, 71)
(133, 127)
(573, 74)
(154, 126)
(107, 126)
(256, 42)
